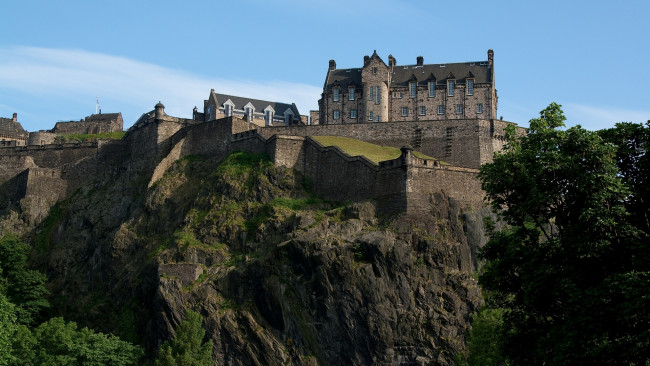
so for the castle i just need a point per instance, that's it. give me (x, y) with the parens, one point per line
(378, 92)
(52, 172)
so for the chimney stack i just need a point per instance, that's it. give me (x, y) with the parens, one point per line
(332, 64)
(490, 57)
(366, 59)
(391, 61)
(420, 60)
(15, 117)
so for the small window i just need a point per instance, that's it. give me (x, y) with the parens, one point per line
(405, 111)
(335, 95)
(450, 88)
(351, 94)
(479, 108)
(441, 109)
(228, 110)
(371, 93)
(353, 113)
(377, 95)
(268, 116)
(423, 110)
(371, 116)
(401, 95)
(432, 89)
(459, 109)
(376, 118)
(413, 89)
(337, 114)
(374, 70)
(470, 87)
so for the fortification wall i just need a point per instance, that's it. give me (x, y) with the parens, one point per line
(457, 142)
(85, 127)
(46, 183)
(53, 156)
(41, 138)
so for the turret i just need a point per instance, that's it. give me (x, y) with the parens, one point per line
(159, 111)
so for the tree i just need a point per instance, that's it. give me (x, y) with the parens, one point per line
(7, 329)
(572, 269)
(23, 287)
(187, 348)
(56, 342)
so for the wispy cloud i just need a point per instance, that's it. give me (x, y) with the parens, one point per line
(596, 118)
(62, 74)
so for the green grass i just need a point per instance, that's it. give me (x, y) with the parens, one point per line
(117, 135)
(374, 153)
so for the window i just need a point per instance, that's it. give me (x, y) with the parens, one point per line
(337, 114)
(335, 95)
(371, 93)
(374, 70)
(405, 111)
(288, 119)
(432, 89)
(351, 94)
(353, 113)
(470, 87)
(479, 108)
(459, 109)
(450, 88)
(370, 116)
(441, 109)
(423, 110)
(268, 117)
(376, 118)
(413, 89)
(377, 95)
(228, 110)
(249, 114)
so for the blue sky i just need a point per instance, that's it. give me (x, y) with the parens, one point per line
(57, 57)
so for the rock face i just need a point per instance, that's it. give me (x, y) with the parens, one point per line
(280, 276)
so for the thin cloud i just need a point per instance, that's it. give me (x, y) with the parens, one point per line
(63, 74)
(596, 118)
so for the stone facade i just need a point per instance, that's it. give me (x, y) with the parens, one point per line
(95, 123)
(258, 112)
(12, 132)
(380, 92)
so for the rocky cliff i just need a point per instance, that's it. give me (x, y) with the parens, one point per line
(279, 275)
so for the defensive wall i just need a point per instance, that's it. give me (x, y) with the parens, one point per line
(465, 143)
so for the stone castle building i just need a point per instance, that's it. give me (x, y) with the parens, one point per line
(95, 123)
(380, 92)
(259, 112)
(12, 132)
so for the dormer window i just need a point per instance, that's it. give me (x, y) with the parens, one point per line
(268, 116)
(432, 89)
(450, 88)
(335, 94)
(351, 94)
(413, 89)
(228, 107)
(470, 86)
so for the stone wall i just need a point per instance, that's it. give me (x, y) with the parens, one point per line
(465, 143)
(41, 138)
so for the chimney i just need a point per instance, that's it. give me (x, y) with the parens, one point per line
(332, 64)
(420, 60)
(490, 58)
(391, 61)
(15, 117)
(366, 59)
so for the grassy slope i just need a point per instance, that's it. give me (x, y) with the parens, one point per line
(374, 153)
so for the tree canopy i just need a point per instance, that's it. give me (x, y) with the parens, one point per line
(187, 348)
(572, 268)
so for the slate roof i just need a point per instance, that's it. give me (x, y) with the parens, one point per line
(259, 105)
(401, 74)
(11, 128)
(104, 117)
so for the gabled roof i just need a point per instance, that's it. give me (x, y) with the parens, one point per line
(11, 128)
(103, 117)
(401, 74)
(258, 104)
(478, 70)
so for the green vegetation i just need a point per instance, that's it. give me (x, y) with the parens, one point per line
(187, 348)
(78, 137)
(572, 270)
(374, 153)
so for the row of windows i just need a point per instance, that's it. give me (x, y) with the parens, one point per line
(373, 92)
(405, 111)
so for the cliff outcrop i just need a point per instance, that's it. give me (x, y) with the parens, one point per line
(279, 275)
